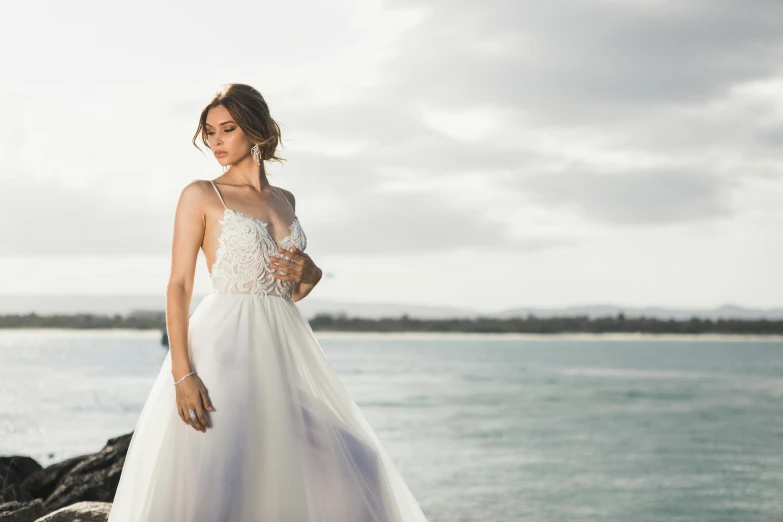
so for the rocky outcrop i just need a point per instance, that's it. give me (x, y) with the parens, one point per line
(81, 512)
(87, 483)
(22, 511)
(13, 470)
(42, 483)
(94, 478)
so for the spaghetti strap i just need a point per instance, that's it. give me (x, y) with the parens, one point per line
(286, 200)
(218, 193)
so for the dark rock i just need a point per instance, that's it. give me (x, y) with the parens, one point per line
(22, 511)
(80, 512)
(43, 482)
(13, 470)
(94, 478)
(15, 492)
(83, 478)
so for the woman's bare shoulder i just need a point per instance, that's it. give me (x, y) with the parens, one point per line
(195, 193)
(197, 187)
(289, 195)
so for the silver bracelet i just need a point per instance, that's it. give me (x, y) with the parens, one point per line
(183, 378)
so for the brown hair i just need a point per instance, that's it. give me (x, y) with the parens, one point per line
(250, 111)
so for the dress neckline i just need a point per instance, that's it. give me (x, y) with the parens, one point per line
(256, 220)
(265, 225)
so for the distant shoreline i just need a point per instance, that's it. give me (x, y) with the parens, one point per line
(329, 334)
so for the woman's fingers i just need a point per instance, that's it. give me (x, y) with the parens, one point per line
(184, 414)
(200, 422)
(202, 410)
(194, 398)
(205, 402)
(196, 423)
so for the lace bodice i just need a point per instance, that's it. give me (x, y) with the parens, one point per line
(242, 260)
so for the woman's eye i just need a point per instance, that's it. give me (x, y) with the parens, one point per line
(227, 130)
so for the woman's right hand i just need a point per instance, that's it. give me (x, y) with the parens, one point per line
(192, 394)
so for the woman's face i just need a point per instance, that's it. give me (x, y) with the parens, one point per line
(226, 139)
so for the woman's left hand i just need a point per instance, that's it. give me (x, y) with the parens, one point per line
(298, 268)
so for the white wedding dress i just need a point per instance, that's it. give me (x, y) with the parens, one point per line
(287, 443)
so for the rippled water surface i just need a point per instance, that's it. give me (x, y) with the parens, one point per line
(538, 430)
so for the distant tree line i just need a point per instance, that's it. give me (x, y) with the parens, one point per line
(529, 324)
(546, 325)
(83, 321)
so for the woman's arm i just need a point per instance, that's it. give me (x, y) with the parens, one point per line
(189, 226)
(305, 274)
(301, 290)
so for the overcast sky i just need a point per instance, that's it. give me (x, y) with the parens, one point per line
(480, 154)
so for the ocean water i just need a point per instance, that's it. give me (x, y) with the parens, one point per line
(481, 429)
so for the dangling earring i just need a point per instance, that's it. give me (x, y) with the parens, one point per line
(256, 151)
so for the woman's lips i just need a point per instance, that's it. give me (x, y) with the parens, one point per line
(220, 154)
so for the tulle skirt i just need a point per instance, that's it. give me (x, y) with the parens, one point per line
(287, 443)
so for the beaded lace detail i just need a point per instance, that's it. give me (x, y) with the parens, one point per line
(242, 260)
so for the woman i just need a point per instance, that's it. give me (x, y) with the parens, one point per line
(247, 422)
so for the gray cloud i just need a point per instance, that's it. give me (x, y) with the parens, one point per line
(634, 198)
(384, 222)
(42, 218)
(641, 73)
(577, 61)
(420, 223)
(635, 71)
